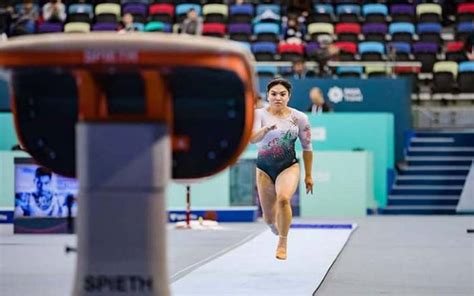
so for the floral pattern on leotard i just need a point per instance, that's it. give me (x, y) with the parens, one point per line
(280, 147)
(276, 150)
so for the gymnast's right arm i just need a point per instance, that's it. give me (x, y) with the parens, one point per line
(258, 131)
(257, 135)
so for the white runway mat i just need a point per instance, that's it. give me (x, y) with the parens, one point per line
(251, 269)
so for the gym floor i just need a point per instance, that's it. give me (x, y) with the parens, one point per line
(386, 255)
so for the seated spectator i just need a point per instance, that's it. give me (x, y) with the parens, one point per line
(294, 32)
(260, 102)
(299, 70)
(24, 22)
(6, 12)
(54, 11)
(127, 23)
(192, 24)
(318, 105)
(327, 51)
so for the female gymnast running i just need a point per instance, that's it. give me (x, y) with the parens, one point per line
(275, 130)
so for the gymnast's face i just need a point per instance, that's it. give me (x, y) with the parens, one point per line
(278, 96)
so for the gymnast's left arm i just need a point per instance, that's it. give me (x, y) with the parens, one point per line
(305, 139)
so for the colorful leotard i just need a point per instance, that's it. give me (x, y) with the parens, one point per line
(276, 151)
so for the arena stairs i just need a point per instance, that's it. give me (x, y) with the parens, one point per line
(431, 179)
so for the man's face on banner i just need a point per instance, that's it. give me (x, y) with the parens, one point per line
(43, 185)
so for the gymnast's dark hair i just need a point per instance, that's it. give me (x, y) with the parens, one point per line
(278, 80)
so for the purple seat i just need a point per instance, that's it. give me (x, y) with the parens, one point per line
(374, 28)
(240, 28)
(425, 47)
(105, 27)
(50, 27)
(425, 52)
(240, 32)
(402, 9)
(312, 48)
(374, 31)
(135, 8)
(402, 12)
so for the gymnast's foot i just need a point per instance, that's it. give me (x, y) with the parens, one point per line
(281, 249)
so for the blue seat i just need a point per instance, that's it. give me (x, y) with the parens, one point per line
(466, 66)
(349, 70)
(139, 26)
(430, 32)
(348, 9)
(323, 9)
(401, 28)
(264, 47)
(463, 30)
(241, 9)
(466, 77)
(374, 9)
(168, 28)
(264, 51)
(375, 13)
(183, 8)
(400, 51)
(401, 31)
(81, 8)
(429, 28)
(465, 27)
(400, 47)
(365, 47)
(267, 69)
(371, 51)
(273, 7)
(266, 28)
(348, 13)
(322, 13)
(267, 32)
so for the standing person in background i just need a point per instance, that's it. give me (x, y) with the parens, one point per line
(299, 70)
(293, 32)
(127, 23)
(327, 52)
(6, 12)
(275, 131)
(260, 102)
(25, 21)
(192, 24)
(54, 11)
(318, 105)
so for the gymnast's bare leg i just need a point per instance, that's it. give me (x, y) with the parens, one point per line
(285, 187)
(267, 196)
